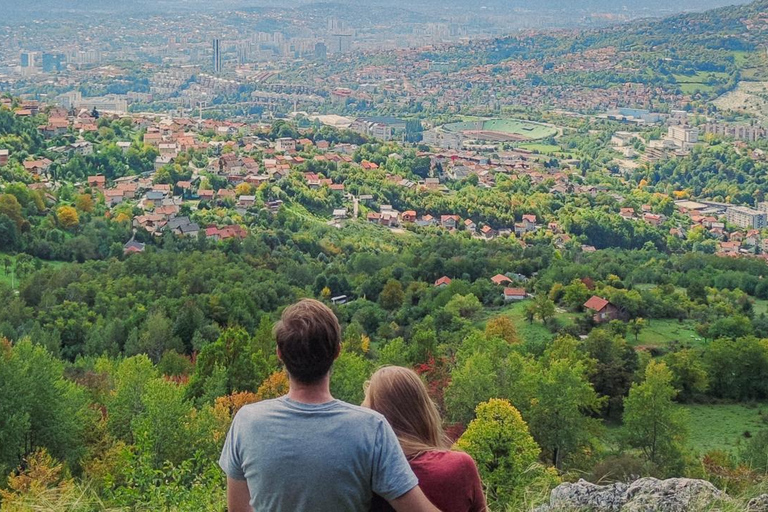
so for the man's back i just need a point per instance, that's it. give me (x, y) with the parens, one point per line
(321, 457)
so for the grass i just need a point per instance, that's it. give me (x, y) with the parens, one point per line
(722, 426)
(516, 311)
(5, 278)
(660, 333)
(527, 129)
(760, 307)
(740, 57)
(545, 149)
(692, 83)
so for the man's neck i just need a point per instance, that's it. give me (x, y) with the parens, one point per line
(316, 393)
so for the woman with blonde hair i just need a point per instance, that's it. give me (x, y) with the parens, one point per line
(449, 479)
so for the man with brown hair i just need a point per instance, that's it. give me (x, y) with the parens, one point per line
(306, 450)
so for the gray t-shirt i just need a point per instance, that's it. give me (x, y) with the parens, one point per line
(319, 457)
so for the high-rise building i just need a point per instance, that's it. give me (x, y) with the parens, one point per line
(243, 53)
(745, 217)
(217, 56)
(53, 62)
(340, 43)
(335, 25)
(321, 51)
(29, 60)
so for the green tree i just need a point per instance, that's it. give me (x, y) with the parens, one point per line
(636, 326)
(575, 294)
(161, 427)
(689, 374)
(394, 353)
(11, 207)
(125, 402)
(9, 233)
(559, 412)
(545, 308)
(503, 449)
(737, 369)
(155, 337)
(350, 371)
(616, 363)
(41, 409)
(464, 306)
(392, 295)
(652, 421)
(473, 382)
(232, 361)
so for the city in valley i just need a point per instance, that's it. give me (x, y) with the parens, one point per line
(555, 215)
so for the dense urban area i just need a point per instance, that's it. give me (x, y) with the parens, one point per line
(565, 224)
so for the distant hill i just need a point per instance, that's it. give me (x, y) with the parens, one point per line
(62, 8)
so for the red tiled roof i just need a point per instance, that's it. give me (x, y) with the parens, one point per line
(500, 278)
(596, 303)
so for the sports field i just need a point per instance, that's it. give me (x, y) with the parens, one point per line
(502, 129)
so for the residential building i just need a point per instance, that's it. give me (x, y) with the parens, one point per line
(514, 294)
(217, 56)
(745, 217)
(604, 311)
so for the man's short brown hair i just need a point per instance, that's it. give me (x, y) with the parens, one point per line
(309, 337)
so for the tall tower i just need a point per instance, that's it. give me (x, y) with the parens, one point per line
(216, 56)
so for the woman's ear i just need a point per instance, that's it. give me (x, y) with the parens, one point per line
(338, 352)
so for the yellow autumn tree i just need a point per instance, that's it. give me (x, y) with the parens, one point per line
(84, 203)
(274, 386)
(67, 217)
(236, 401)
(43, 485)
(502, 327)
(244, 189)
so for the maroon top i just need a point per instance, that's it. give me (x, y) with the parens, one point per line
(449, 479)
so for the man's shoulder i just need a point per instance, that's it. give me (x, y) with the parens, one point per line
(354, 412)
(361, 413)
(261, 405)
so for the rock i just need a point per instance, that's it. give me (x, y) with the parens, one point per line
(759, 504)
(673, 495)
(643, 495)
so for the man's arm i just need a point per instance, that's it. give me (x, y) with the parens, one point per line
(238, 496)
(413, 501)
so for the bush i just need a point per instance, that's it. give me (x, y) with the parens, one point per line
(620, 468)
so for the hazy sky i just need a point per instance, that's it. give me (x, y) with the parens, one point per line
(50, 9)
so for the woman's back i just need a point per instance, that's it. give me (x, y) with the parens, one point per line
(450, 481)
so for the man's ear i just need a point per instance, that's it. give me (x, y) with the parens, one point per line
(279, 355)
(338, 352)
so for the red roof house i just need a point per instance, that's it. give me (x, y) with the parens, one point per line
(500, 279)
(604, 310)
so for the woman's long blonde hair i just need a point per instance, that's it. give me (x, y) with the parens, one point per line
(399, 394)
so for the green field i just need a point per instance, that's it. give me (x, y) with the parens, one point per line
(544, 149)
(529, 130)
(660, 333)
(528, 331)
(760, 306)
(722, 427)
(698, 82)
(5, 278)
